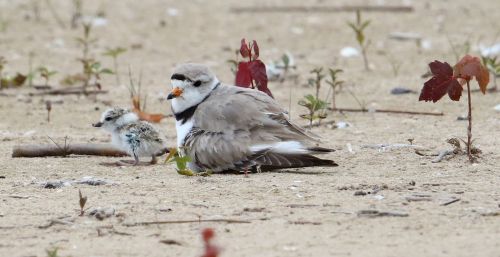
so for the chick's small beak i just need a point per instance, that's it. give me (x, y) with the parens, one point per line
(97, 125)
(176, 92)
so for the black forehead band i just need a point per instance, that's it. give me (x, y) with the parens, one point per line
(180, 77)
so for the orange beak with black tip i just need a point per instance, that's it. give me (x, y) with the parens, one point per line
(176, 92)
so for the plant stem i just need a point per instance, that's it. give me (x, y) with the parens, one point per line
(333, 99)
(469, 128)
(365, 59)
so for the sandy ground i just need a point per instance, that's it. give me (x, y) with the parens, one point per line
(311, 213)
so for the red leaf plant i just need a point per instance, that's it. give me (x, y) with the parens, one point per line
(211, 250)
(448, 80)
(252, 73)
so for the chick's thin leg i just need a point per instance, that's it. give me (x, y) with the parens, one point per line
(136, 159)
(153, 160)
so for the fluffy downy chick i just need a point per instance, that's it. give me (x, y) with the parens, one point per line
(137, 138)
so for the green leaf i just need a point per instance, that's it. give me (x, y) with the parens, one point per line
(185, 172)
(107, 71)
(364, 25)
(286, 60)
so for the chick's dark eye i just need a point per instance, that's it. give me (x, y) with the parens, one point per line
(107, 119)
(197, 83)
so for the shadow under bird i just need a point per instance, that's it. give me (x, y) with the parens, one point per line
(228, 128)
(129, 134)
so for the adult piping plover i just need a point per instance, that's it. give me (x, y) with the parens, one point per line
(224, 128)
(128, 133)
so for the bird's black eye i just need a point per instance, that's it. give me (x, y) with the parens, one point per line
(107, 119)
(197, 83)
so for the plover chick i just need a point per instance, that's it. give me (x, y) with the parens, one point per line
(129, 134)
(228, 128)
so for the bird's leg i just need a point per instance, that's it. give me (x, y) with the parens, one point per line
(153, 160)
(136, 158)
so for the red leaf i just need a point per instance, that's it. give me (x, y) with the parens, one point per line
(207, 234)
(469, 67)
(259, 75)
(211, 251)
(442, 82)
(255, 50)
(244, 50)
(243, 76)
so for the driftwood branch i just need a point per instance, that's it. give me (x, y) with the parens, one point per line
(323, 9)
(386, 111)
(55, 150)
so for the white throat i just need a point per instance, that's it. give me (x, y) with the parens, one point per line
(190, 96)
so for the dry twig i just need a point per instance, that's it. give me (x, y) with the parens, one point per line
(164, 222)
(386, 111)
(323, 9)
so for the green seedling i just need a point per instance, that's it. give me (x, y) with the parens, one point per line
(315, 107)
(96, 71)
(46, 74)
(335, 84)
(316, 81)
(77, 13)
(114, 53)
(180, 161)
(359, 30)
(85, 42)
(493, 66)
(8, 81)
(52, 252)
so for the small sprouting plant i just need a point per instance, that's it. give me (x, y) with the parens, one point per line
(90, 67)
(46, 74)
(335, 84)
(9, 81)
(82, 202)
(77, 13)
(316, 81)
(86, 41)
(180, 161)
(52, 252)
(493, 65)
(94, 70)
(449, 80)
(359, 30)
(287, 65)
(252, 73)
(114, 53)
(315, 107)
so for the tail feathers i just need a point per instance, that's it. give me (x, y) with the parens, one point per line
(320, 150)
(271, 160)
